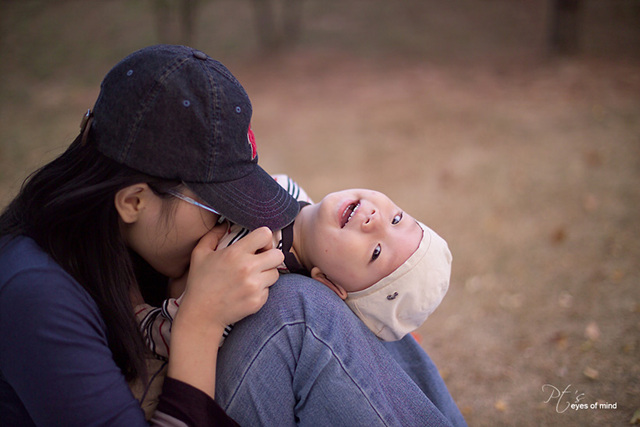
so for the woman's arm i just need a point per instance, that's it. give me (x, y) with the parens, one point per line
(223, 287)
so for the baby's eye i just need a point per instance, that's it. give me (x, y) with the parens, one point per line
(397, 219)
(376, 253)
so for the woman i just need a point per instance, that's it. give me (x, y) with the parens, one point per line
(73, 239)
(79, 240)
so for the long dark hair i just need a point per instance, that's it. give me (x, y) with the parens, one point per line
(68, 208)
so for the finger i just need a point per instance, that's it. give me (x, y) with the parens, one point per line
(258, 240)
(213, 236)
(269, 259)
(268, 243)
(271, 277)
(262, 299)
(220, 230)
(260, 296)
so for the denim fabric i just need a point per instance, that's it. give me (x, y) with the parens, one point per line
(306, 359)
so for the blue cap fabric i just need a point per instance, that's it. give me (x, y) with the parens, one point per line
(172, 112)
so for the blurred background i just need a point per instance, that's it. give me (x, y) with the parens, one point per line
(511, 128)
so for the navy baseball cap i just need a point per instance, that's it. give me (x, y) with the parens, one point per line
(173, 112)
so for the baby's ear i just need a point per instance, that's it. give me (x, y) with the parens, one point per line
(318, 275)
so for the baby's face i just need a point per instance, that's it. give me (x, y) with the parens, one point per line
(357, 237)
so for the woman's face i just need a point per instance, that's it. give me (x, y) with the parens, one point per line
(167, 231)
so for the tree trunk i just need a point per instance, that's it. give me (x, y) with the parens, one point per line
(175, 20)
(277, 30)
(188, 14)
(565, 26)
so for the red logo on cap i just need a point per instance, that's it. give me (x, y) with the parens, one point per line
(252, 141)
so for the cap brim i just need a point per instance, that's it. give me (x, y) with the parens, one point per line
(254, 201)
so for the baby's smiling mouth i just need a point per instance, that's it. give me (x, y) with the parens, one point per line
(348, 213)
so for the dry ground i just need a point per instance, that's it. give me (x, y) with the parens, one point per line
(531, 172)
(528, 165)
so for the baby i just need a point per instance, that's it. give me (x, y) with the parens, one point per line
(390, 269)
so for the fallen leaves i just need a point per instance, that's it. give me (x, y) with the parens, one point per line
(592, 331)
(560, 340)
(591, 373)
(559, 235)
(500, 405)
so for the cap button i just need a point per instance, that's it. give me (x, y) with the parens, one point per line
(200, 55)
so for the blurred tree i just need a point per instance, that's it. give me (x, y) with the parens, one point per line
(565, 26)
(171, 29)
(278, 23)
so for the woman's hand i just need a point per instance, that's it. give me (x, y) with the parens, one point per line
(223, 287)
(228, 284)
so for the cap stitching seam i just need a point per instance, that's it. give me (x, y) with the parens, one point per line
(213, 113)
(146, 104)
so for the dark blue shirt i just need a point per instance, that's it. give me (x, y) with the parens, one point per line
(56, 367)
